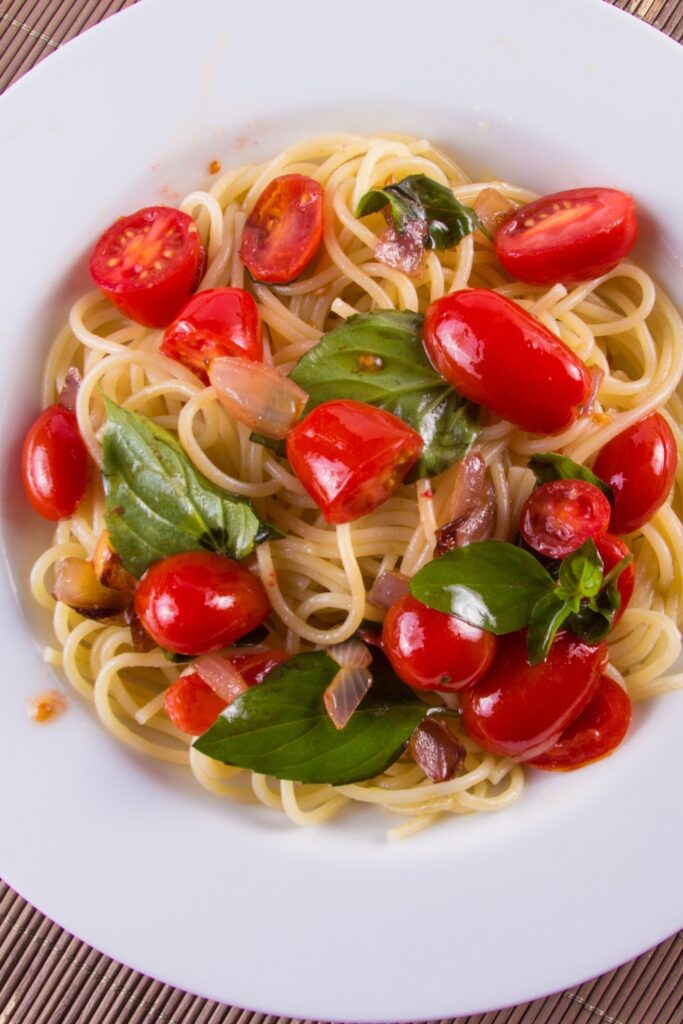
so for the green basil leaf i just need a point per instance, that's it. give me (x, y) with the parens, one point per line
(595, 618)
(418, 197)
(281, 727)
(157, 504)
(489, 584)
(548, 466)
(379, 358)
(614, 574)
(581, 572)
(547, 616)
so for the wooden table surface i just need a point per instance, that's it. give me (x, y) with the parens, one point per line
(49, 977)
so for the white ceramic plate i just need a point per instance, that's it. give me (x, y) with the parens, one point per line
(233, 902)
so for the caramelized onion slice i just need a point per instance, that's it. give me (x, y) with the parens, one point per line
(77, 585)
(345, 692)
(466, 485)
(402, 250)
(109, 567)
(436, 750)
(388, 588)
(478, 524)
(350, 654)
(221, 675)
(492, 208)
(140, 638)
(257, 395)
(69, 392)
(597, 376)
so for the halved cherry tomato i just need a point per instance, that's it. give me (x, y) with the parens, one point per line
(612, 549)
(351, 457)
(283, 231)
(199, 601)
(597, 731)
(216, 322)
(54, 463)
(639, 465)
(430, 650)
(520, 710)
(499, 356)
(568, 236)
(559, 516)
(149, 263)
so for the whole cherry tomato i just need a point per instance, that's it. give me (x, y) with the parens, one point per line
(568, 236)
(54, 463)
(597, 731)
(149, 263)
(199, 601)
(499, 356)
(283, 231)
(350, 457)
(559, 516)
(431, 650)
(639, 465)
(521, 710)
(214, 323)
(612, 549)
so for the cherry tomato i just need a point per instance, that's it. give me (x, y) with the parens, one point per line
(255, 666)
(199, 601)
(639, 465)
(430, 650)
(54, 463)
(520, 710)
(569, 236)
(214, 323)
(350, 457)
(611, 549)
(283, 231)
(499, 356)
(149, 263)
(559, 516)
(597, 731)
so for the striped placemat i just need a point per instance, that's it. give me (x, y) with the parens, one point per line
(49, 977)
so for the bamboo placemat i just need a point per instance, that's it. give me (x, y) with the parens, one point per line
(49, 977)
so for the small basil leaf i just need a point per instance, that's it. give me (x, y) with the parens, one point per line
(281, 727)
(157, 504)
(548, 466)
(379, 358)
(593, 622)
(547, 616)
(614, 574)
(489, 584)
(581, 571)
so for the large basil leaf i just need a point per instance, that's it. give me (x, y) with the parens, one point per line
(281, 727)
(379, 358)
(548, 466)
(158, 504)
(418, 197)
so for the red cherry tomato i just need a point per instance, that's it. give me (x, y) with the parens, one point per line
(639, 465)
(430, 650)
(283, 231)
(611, 549)
(520, 710)
(54, 463)
(256, 665)
(597, 731)
(559, 516)
(568, 236)
(149, 263)
(216, 322)
(351, 456)
(499, 356)
(199, 601)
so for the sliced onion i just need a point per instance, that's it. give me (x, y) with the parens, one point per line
(69, 392)
(402, 250)
(345, 693)
(492, 208)
(350, 654)
(388, 588)
(77, 585)
(476, 525)
(109, 567)
(221, 675)
(140, 638)
(436, 750)
(597, 376)
(466, 487)
(257, 395)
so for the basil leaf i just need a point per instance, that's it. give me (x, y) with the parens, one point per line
(548, 466)
(157, 504)
(581, 572)
(418, 197)
(595, 618)
(489, 584)
(379, 358)
(547, 616)
(281, 727)
(614, 574)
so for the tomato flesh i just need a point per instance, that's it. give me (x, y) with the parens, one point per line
(640, 466)
(351, 457)
(597, 731)
(520, 710)
(568, 236)
(612, 549)
(54, 463)
(430, 650)
(558, 517)
(499, 356)
(255, 666)
(149, 263)
(214, 323)
(283, 231)
(199, 601)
